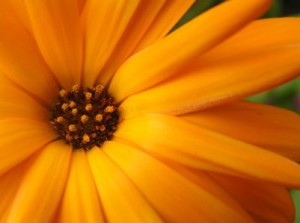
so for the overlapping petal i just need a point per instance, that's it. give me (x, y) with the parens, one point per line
(191, 145)
(80, 201)
(39, 193)
(258, 35)
(165, 57)
(152, 21)
(265, 202)
(207, 182)
(57, 31)
(17, 10)
(265, 126)
(144, 15)
(168, 16)
(104, 22)
(218, 80)
(21, 61)
(119, 196)
(81, 5)
(15, 102)
(20, 138)
(9, 184)
(175, 197)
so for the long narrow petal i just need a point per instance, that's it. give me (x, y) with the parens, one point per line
(20, 59)
(164, 22)
(258, 35)
(207, 183)
(192, 145)
(265, 126)
(9, 184)
(175, 197)
(104, 22)
(56, 27)
(167, 56)
(19, 138)
(265, 202)
(218, 82)
(144, 15)
(14, 102)
(80, 201)
(120, 198)
(151, 22)
(40, 191)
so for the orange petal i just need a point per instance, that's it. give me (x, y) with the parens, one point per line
(136, 28)
(258, 35)
(61, 42)
(104, 22)
(17, 9)
(191, 145)
(218, 82)
(265, 126)
(207, 183)
(19, 138)
(166, 57)
(265, 202)
(17, 103)
(81, 5)
(151, 21)
(80, 202)
(21, 61)
(40, 191)
(9, 184)
(119, 196)
(167, 18)
(175, 197)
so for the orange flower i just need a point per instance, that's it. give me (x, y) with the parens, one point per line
(177, 143)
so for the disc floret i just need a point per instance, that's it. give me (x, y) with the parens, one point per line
(84, 117)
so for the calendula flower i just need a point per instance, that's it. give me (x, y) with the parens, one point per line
(105, 117)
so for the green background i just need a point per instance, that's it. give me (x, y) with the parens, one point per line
(286, 96)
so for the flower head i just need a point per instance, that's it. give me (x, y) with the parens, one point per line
(105, 117)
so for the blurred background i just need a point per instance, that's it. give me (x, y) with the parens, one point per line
(286, 96)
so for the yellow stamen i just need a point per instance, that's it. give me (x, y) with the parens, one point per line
(99, 88)
(64, 106)
(109, 109)
(72, 128)
(86, 138)
(63, 93)
(74, 111)
(60, 119)
(101, 128)
(88, 96)
(98, 117)
(84, 118)
(88, 107)
(75, 88)
(72, 104)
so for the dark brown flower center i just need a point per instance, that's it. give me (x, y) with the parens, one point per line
(84, 117)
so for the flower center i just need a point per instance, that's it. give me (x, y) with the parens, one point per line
(84, 117)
